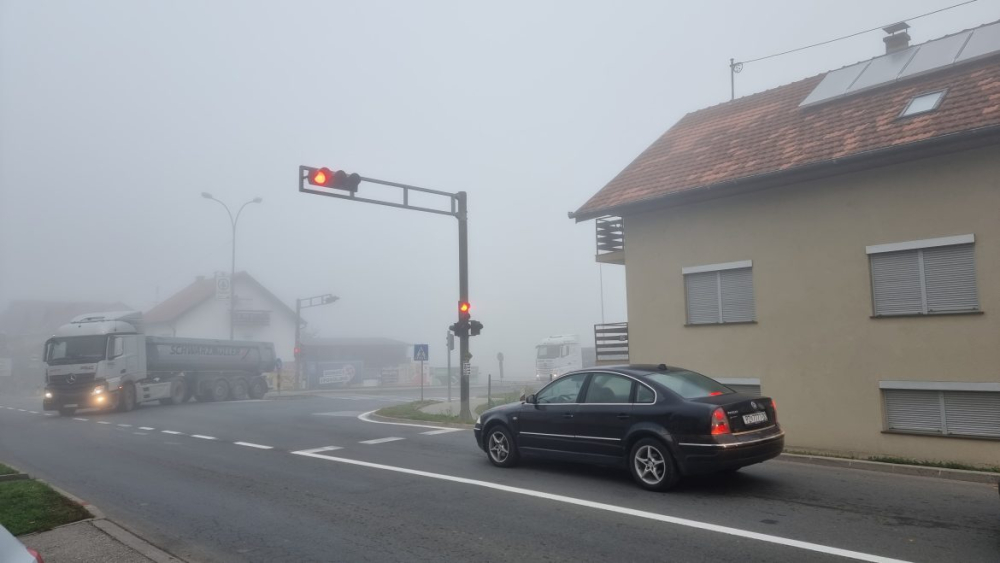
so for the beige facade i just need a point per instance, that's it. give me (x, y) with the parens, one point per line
(815, 346)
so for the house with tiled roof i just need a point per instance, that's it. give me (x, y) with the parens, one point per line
(196, 312)
(833, 243)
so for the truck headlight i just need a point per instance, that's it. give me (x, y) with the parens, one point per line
(97, 390)
(48, 394)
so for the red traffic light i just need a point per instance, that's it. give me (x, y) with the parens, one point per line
(321, 177)
(297, 351)
(464, 307)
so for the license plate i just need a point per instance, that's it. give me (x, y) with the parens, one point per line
(755, 418)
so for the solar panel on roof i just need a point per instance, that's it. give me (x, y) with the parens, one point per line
(913, 61)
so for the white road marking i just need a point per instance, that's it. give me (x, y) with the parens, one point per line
(365, 417)
(33, 412)
(146, 428)
(203, 437)
(442, 431)
(338, 413)
(382, 440)
(49, 414)
(315, 451)
(103, 422)
(249, 445)
(21, 410)
(81, 419)
(808, 546)
(172, 432)
(125, 425)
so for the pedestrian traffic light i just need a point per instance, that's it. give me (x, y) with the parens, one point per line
(476, 327)
(326, 178)
(451, 341)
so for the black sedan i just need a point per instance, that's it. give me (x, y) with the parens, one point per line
(662, 422)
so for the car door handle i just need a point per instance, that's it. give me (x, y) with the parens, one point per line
(623, 416)
(568, 415)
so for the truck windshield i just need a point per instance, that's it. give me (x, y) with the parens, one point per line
(549, 352)
(76, 349)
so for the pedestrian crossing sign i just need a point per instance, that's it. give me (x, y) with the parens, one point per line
(420, 352)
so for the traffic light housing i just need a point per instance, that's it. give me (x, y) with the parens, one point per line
(297, 351)
(476, 327)
(460, 328)
(326, 178)
(451, 340)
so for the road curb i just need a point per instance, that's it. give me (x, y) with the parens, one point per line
(14, 477)
(379, 418)
(896, 468)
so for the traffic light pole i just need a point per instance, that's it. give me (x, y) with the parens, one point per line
(298, 343)
(464, 356)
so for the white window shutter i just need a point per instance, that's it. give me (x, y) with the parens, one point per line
(896, 283)
(737, 295)
(702, 291)
(950, 278)
(916, 411)
(972, 413)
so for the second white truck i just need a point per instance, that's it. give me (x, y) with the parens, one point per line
(558, 354)
(105, 361)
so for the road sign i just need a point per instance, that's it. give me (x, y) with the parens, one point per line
(223, 286)
(420, 352)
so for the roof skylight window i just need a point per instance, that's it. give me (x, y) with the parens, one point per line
(923, 103)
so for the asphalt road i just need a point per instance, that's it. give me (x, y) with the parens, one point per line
(304, 479)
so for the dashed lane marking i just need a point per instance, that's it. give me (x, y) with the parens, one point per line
(81, 419)
(33, 412)
(442, 431)
(103, 422)
(250, 445)
(146, 428)
(203, 437)
(172, 432)
(125, 425)
(808, 546)
(22, 410)
(381, 440)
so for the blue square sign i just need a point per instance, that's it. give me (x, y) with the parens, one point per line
(420, 352)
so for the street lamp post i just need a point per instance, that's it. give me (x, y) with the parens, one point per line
(232, 267)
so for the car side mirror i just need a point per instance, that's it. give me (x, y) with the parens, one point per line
(530, 399)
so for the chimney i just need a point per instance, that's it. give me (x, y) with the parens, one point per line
(898, 38)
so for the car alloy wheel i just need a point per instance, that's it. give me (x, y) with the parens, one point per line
(499, 447)
(650, 465)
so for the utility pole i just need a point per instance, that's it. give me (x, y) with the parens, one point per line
(464, 357)
(451, 346)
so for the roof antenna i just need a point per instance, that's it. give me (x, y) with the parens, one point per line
(734, 69)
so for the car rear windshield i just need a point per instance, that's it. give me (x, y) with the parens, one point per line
(689, 384)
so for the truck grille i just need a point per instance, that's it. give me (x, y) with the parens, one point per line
(81, 381)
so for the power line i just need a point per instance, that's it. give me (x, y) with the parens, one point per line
(853, 34)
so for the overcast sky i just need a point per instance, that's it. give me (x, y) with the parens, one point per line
(116, 115)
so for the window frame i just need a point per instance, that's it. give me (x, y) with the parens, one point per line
(919, 246)
(940, 388)
(633, 390)
(718, 269)
(942, 93)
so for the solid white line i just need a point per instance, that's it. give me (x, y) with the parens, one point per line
(317, 450)
(103, 422)
(442, 431)
(146, 428)
(203, 437)
(365, 418)
(125, 425)
(81, 419)
(171, 432)
(381, 440)
(808, 546)
(249, 445)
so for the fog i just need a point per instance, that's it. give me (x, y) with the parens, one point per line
(116, 115)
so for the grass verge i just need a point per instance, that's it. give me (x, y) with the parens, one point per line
(900, 461)
(411, 411)
(4, 470)
(32, 506)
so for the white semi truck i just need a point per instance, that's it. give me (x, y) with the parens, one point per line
(560, 354)
(105, 361)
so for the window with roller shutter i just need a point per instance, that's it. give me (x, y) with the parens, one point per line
(925, 277)
(719, 293)
(954, 409)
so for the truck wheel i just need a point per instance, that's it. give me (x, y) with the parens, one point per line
(177, 393)
(241, 389)
(126, 398)
(67, 411)
(219, 390)
(258, 387)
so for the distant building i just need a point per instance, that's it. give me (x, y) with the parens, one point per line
(195, 312)
(835, 244)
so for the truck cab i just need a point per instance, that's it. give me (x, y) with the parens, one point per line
(557, 355)
(89, 360)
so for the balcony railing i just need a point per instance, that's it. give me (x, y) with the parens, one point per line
(610, 234)
(611, 343)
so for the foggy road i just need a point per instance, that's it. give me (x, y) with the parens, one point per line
(304, 479)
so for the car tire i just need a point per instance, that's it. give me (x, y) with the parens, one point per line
(126, 398)
(67, 411)
(500, 448)
(651, 465)
(258, 387)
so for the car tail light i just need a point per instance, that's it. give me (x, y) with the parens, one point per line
(38, 558)
(720, 424)
(774, 409)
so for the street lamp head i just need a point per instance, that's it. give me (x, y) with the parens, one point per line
(206, 195)
(257, 200)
